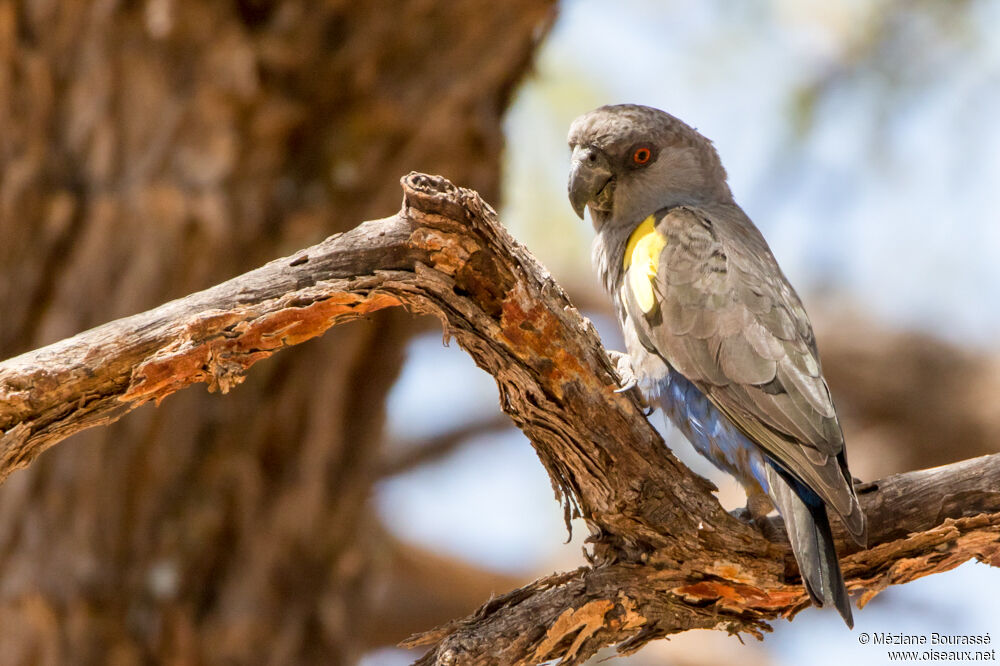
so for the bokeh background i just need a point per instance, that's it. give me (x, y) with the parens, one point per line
(365, 486)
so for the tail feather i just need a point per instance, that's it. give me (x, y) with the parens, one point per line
(812, 541)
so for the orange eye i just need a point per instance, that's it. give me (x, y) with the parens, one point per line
(641, 155)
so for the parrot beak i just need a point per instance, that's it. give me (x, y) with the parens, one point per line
(588, 175)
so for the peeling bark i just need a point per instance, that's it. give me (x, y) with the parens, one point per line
(665, 557)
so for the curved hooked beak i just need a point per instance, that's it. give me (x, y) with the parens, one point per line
(588, 175)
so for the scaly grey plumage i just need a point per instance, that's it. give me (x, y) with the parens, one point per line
(715, 333)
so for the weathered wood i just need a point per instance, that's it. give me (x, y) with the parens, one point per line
(665, 556)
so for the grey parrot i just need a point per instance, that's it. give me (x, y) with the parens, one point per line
(715, 334)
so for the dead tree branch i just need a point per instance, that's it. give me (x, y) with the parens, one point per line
(665, 556)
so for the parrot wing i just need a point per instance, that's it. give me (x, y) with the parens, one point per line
(706, 294)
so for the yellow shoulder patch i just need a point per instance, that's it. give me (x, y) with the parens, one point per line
(642, 258)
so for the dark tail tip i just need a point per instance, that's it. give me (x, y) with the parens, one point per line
(826, 570)
(812, 542)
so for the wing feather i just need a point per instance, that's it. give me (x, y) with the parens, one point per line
(731, 324)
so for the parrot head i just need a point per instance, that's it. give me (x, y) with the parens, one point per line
(629, 161)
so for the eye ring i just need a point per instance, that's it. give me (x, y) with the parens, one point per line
(642, 155)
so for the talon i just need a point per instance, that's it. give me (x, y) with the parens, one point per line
(627, 380)
(627, 387)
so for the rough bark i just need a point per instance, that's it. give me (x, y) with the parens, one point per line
(665, 557)
(151, 149)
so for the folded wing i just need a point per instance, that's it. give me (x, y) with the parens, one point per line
(726, 318)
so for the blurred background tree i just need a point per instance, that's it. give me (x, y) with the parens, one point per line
(149, 149)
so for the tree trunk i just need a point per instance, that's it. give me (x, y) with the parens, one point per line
(154, 148)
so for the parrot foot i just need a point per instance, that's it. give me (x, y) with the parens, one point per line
(623, 368)
(741, 514)
(759, 505)
(755, 512)
(626, 378)
(769, 529)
